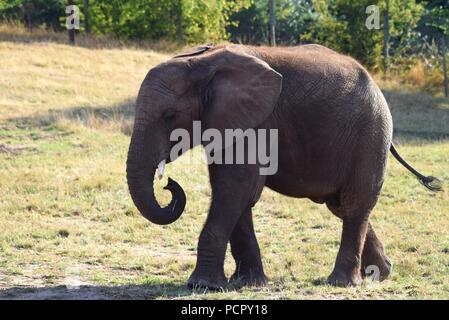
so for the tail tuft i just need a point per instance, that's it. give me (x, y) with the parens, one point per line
(432, 183)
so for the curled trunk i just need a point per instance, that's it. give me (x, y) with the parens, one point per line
(140, 170)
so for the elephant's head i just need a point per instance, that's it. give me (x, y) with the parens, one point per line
(223, 87)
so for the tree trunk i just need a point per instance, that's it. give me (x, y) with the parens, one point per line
(27, 8)
(86, 16)
(272, 4)
(179, 28)
(444, 53)
(71, 30)
(386, 36)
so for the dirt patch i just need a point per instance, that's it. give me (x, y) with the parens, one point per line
(76, 286)
(179, 254)
(72, 287)
(69, 293)
(15, 149)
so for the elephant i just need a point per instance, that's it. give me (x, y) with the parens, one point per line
(334, 136)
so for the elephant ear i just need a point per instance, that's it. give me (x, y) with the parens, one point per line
(241, 91)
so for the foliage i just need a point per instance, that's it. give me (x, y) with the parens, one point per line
(139, 19)
(327, 28)
(250, 25)
(192, 21)
(33, 12)
(416, 26)
(189, 20)
(436, 18)
(341, 24)
(206, 20)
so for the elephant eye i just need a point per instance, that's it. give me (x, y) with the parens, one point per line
(169, 116)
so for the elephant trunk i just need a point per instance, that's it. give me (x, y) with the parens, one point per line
(140, 169)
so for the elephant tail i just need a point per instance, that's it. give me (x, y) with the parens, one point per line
(431, 183)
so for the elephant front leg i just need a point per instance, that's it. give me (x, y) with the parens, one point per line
(233, 191)
(209, 272)
(246, 253)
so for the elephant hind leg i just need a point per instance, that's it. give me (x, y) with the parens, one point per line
(348, 263)
(375, 262)
(353, 204)
(246, 253)
(351, 266)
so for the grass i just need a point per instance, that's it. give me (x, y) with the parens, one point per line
(66, 218)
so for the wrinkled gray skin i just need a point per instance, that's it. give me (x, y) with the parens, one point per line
(335, 131)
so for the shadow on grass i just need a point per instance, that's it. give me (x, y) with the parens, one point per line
(87, 292)
(119, 116)
(418, 117)
(38, 35)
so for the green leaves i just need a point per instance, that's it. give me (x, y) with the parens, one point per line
(438, 18)
(338, 24)
(206, 20)
(190, 20)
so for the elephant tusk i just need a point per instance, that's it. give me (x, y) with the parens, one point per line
(160, 169)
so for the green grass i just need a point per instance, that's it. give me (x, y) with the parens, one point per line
(66, 216)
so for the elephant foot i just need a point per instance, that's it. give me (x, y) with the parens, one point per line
(375, 263)
(342, 278)
(211, 282)
(249, 278)
(378, 268)
(249, 272)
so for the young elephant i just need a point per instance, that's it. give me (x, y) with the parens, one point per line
(334, 133)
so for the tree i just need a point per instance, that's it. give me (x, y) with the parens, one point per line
(340, 24)
(272, 5)
(86, 15)
(34, 12)
(444, 53)
(293, 17)
(386, 34)
(192, 21)
(179, 22)
(436, 27)
(252, 24)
